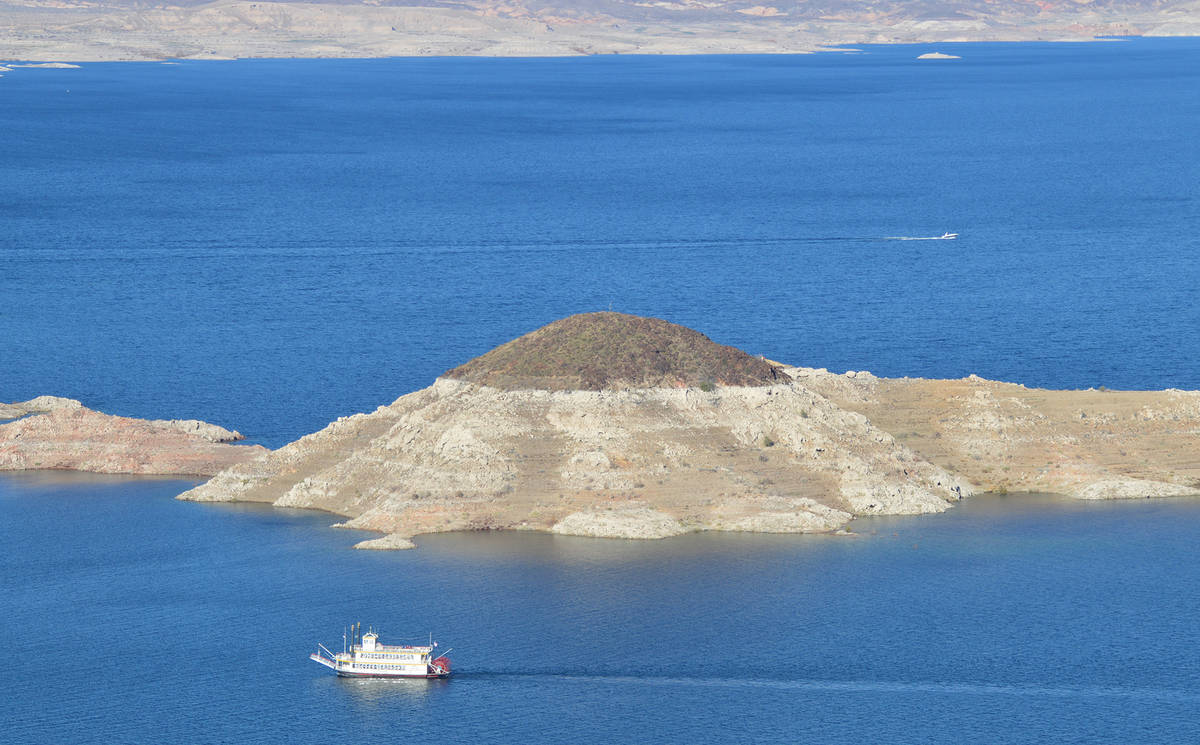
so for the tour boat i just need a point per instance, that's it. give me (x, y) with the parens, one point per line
(366, 657)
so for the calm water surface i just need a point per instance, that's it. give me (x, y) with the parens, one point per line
(272, 244)
(132, 617)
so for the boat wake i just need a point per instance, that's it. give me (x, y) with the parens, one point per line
(942, 237)
(862, 686)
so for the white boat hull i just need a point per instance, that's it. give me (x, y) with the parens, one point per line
(352, 670)
(426, 676)
(374, 660)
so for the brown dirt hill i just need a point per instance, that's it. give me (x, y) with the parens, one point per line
(605, 350)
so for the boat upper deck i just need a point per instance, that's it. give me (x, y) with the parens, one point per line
(391, 649)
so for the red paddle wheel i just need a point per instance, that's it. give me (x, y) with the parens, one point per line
(441, 665)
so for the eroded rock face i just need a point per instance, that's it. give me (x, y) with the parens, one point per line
(1093, 444)
(59, 433)
(632, 521)
(1133, 489)
(647, 462)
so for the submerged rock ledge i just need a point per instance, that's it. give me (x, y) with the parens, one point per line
(616, 426)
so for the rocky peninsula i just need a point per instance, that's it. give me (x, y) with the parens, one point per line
(1093, 444)
(610, 425)
(50, 432)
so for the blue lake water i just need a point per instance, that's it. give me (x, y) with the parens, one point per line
(131, 618)
(272, 244)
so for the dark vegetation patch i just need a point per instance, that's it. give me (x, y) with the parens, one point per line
(595, 351)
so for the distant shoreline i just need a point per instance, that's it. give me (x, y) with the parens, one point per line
(70, 63)
(229, 29)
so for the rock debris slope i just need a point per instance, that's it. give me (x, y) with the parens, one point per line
(600, 424)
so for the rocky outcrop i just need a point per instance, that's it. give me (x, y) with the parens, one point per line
(197, 428)
(60, 433)
(1093, 444)
(38, 405)
(632, 521)
(643, 450)
(1134, 489)
(390, 542)
(613, 426)
(461, 456)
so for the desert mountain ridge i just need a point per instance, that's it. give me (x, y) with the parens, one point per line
(105, 30)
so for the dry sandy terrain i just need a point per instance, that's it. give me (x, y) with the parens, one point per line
(51, 30)
(1006, 437)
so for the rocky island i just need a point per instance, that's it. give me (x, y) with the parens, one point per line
(50, 432)
(611, 425)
